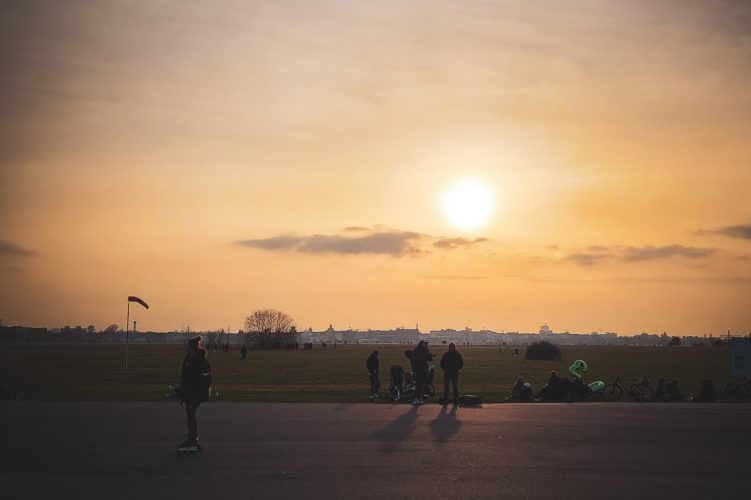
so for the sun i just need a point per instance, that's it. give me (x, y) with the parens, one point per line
(468, 204)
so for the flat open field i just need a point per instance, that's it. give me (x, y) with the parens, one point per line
(95, 372)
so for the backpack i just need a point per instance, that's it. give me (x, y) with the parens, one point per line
(470, 400)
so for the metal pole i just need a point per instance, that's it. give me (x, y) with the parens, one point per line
(127, 320)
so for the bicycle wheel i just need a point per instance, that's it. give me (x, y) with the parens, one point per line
(429, 390)
(732, 389)
(643, 393)
(612, 392)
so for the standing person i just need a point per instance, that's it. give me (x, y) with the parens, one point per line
(243, 353)
(375, 382)
(421, 355)
(195, 386)
(451, 363)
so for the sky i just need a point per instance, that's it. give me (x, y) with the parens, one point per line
(217, 158)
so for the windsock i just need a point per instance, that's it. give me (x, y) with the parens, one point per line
(132, 298)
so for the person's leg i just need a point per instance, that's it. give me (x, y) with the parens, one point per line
(455, 386)
(377, 382)
(373, 388)
(446, 378)
(190, 410)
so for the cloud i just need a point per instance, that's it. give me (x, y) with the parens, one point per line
(652, 253)
(7, 248)
(597, 253)
(380, 242)
(452, 243)
(737, 231)
(455, 277)
(587, 259)
(681, 280)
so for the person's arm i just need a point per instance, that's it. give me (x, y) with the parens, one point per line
(460, 364)
(206, 372)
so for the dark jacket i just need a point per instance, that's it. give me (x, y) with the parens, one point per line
(420, 357)
(372, 363)
(452, 362)
(195, 376)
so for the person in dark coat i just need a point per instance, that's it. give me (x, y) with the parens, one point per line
(195, 387)
(451, 363)
(375, 381)
(421, 355)
(674, 394)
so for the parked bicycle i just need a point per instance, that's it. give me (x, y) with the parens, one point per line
(738, 387)
(639, 391)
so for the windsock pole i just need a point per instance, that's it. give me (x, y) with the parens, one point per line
(127, 320)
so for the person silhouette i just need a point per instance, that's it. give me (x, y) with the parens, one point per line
(420, 357)
(451, 363)
(371, 364)
(195, 387)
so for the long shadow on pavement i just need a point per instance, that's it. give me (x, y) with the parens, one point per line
(445, 425)
(397, 431)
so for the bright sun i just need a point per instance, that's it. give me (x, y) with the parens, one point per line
(468, 204)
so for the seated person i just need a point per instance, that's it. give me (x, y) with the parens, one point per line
(521, 391)
(674, 394)
(580, 391)
(707, 392)
(660, 394)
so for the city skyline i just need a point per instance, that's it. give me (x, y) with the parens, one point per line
(219, 159)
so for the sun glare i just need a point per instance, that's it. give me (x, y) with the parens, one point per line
(468, 205)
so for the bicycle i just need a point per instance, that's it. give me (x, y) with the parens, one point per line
(639, 391)
(738, 387)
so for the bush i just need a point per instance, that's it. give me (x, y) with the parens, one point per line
(543, 351)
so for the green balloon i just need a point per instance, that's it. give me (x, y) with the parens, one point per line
(577, 367)
(597, 385)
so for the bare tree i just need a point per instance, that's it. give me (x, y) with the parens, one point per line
(111, 328)
(269, 328)
(90, 329)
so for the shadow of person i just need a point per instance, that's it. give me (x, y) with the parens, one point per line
(397, 431)
(445, 425)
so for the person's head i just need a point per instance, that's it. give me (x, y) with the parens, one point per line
(195, 342)
(520, 381)
(375, 353)
(452, 347)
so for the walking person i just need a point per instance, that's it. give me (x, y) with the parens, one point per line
(451, 363)
(421, 355)
(375, 382)
(195, 387)
(243, 353)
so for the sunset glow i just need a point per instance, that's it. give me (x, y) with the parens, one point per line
(468, 205)
(371, 165)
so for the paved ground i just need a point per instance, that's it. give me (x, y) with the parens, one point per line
(127, 450)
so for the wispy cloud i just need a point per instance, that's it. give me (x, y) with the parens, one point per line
(681, 280)
(383, 242)
(452, 243)
(652, 252)
(359, 240)
(7, 248)
(588, 259)
(738, 231)
(597, 253)
(455, 277)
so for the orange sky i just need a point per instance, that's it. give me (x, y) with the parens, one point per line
(218, 158)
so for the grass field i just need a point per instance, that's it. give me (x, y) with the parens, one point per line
(95, 372)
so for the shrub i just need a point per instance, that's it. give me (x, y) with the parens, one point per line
(543, 351)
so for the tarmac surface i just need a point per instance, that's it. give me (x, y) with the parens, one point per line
(278, 450)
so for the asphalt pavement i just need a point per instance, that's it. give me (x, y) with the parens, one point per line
(276, 450)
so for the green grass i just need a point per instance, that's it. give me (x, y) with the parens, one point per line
(95, 372)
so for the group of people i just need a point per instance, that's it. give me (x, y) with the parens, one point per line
(420, 357)
(562, 389)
